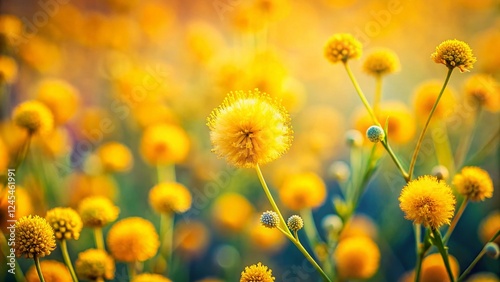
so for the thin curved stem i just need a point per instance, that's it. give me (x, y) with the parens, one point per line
(455, 220)
(472, 265)
(395, 160)
(99, 240)
(38, 269)
(378, 93)
(424, 130)
(67, 260)
(420, 256)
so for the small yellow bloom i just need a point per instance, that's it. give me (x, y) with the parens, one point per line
(60, 97)
(95, 265)
(428, 201)
(342, 47)
(52, 270)
(425, 96)
(115, 157)
(265, 239)
(66, 223)
(249, 129)
(192, 238)
(360, 225)
(483, 90)
(231, 212)
(133, 239)
(303, 190)
(257, 272)
(489, 226)
(33, 116)
(474, 183)
(164, 144)
(8, 70)
(454, 53)
(97, 211)
(170, 197)
(34, 237)
(148, 277)
(357, 257)
(381, 62)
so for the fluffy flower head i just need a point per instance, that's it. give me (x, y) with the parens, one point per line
(474, 183)
(257, 273)
(163, 144)
(60, 97)
(66, 223)
(34, 237)
(168, 197)
(33, 116)
(357, 257)
(97, 211)
(483, 90)
(342, 47)
(115, 156)
(95, 265)
(454, 53)
(381, 62)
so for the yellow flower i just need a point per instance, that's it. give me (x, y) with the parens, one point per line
(474, 183)
(88, 185)
(94, 123)
(425, 96)
(133, 239)
(433, 269)
(357, 257)
(360, 225)
(489, 226)
(231, 211)
(11, 27)
(95, 265)
(56, 143)
(66, 223)
(170, 197)
(381, 62)
(60, 97)
(53, 271)
(483, 90)
(155, 19)
(454, 53)
(302, 190)
(24, 206)
(257, 272)
(342, 47)
(484, 277)
(263, 238)
(33, 116)
(428, 201)
(163, 144)
(147, 277)
(34, 237)
(115, 156)
(192, 238)
(202, 41)
(250, 129)
(41, 54)
(8, 70)
(97, 211)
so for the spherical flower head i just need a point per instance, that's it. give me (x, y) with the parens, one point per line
(303, 190)
(357, 257)
(34, 237)
(375, 133)
(342, 47)
(52, 270)
(440, 172)
(95, 265)
(97, 211)
(425, 96)
(354, 138)
(33, 116)
(454, 53)
(257, 272)
(149, 277)
(66, 223)
(492, 250)
(115, 157)
(295, 223)
(133, 239)
(489, 226)
(60, 97)
(170, 197)
(428, 201)
(232, 212)
(483, 90)
(270, 219)
(249, 129)
(474, 183)
(433, 268)
(381, 62)
(164, 144)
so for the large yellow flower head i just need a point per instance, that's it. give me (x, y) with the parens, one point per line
(342, 47)
(428, 201)
(164, 144)
(34, 237)
(454, 53)
(115, 157)
(257, 273)
(53, 271)
(483, 90)
(133, 239)
(474, 183)
(148, 277)
(95, 265)
(66, 223)
(232, 212)
(303, 190)
(60, 97)
(381, 62)
(97, 211)
(33, 116)
(170, 197)
(249, 129)
(357, 257)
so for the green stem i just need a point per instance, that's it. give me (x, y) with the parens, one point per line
(99, 240)
(167, 234)
(455, 220)
(420, 256)
(378, 94)
(395, 159)
(38, 269)
(310, 259)
(310, 229)
(67, 260)
(471, 266)
(484, 150)
(418, 269)
(131, 270)
(438, 241)
(360, 94)
(422, 134)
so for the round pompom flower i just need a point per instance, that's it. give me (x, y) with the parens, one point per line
(95, 265)
(357, 257)
(428, 201)
(483, 90)
(164, 144)
(148, 277)
(257, 272)
(34, 237)
(33, 116)
(170, 197)
(133, 239)
(60, 97)
(474, 183)
(295, 223)
(66, 223)
(375, 133)
(97, 211)
(269, 219)
(52, 270)
(250, 129)
(381, 62)
(454, 53)
(303, 190)
(342, 47)
(115, 157)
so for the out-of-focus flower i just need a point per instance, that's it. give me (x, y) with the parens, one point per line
(66, 223)
(342, 47)
(357, 257)
(339, 170)
(163, 144)
(249, 129)
(474, 183)
(149, 113)
(133, 239)
(41, 54)
(95, 265)
(156, 20)
(381, 62)
(33, 116)
(191, 238)
(203, 42)
(440, 172)
(115, 157)
(122, 6)
(269, 240)
(231, 212)
(170, 197)
(11, 28)
(304, 190)
(434, 270)
(360, 225)
(483, 277)
(93, 124)
(483, 90)
(257, 272)
(56, 143)
(454, 53)
(485, 49)
(8, 70)
(87, 185)
(428, 201)
(52, 270)
(24, 206)
(97, 211)
(148, 277)
(34, 237)
(425, 96)
(4, 155)
(60, 97)
(489, 226)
